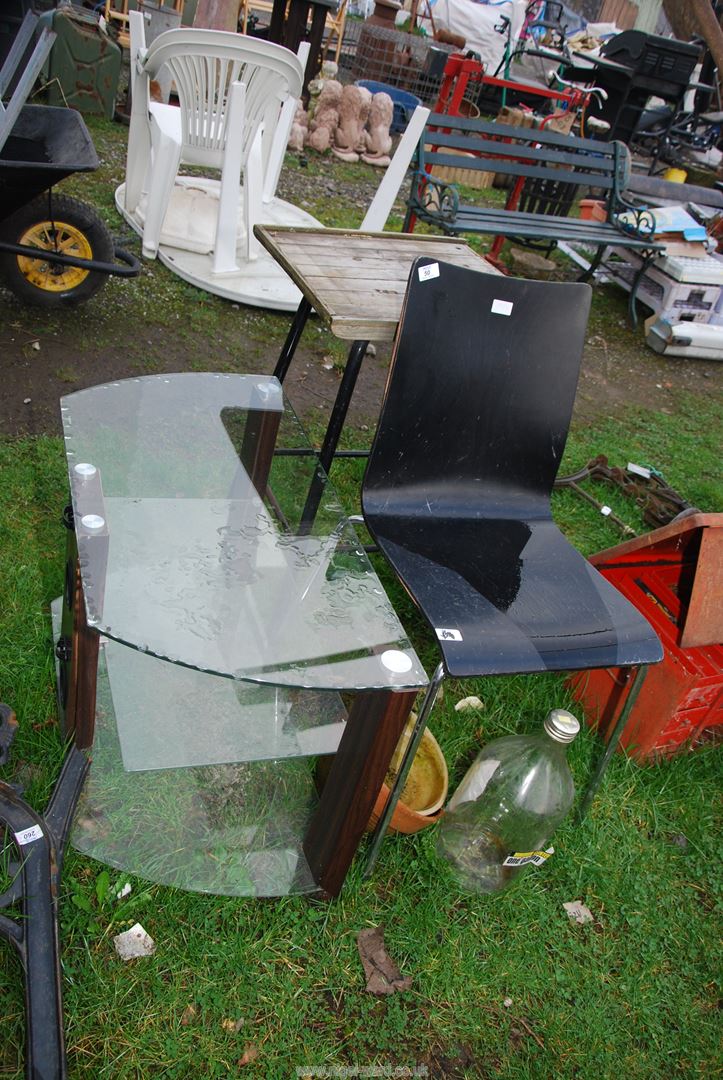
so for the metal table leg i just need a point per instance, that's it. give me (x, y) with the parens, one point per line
(292, 339)
(334, 429)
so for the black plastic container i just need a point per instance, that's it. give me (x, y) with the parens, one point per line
(46, 145)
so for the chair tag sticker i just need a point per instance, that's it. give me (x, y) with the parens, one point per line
(426, 273)
(28, 835)
(447, 635)
(502, 307)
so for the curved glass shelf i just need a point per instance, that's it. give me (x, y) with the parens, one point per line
(199, 782)
(192, 543)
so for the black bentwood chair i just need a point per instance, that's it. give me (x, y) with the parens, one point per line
(457, 488)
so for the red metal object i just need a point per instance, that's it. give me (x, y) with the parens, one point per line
(458, 71)
(673, 576)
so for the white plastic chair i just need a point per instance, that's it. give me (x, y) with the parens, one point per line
(231, 91)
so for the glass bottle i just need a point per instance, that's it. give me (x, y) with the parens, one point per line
(511, 800)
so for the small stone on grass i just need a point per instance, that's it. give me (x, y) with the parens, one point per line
(134, 943)
(469, 703)
(578, 912)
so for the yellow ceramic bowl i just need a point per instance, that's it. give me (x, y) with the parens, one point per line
(425, 791)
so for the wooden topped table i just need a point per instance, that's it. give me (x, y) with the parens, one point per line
(355, 281)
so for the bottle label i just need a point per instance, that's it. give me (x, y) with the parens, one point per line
(524, 858)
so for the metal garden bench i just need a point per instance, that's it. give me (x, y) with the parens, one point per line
(549, 169)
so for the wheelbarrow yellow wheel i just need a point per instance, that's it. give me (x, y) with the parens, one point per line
(72, 229)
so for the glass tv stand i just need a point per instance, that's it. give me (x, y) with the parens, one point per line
(210, 640)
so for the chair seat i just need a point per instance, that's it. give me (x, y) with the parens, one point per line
(513, 595)
(496, 221)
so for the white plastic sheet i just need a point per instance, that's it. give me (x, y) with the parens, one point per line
(476, 23)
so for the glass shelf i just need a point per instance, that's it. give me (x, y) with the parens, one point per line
(192, 548)
(189, 812)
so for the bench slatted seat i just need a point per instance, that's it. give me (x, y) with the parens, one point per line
(553, 167)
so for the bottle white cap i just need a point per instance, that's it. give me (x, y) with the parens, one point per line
(561, 725)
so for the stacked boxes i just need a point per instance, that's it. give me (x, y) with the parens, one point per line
(676, 299)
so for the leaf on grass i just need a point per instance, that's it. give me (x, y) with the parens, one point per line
(189, 1015)
(81, 901)
(102, 885)
(383, 975)
(578, 912)
(250, 1054)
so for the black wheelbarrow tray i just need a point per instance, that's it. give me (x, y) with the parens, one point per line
(55, 251)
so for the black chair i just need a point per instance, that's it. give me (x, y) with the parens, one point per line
(457, 488)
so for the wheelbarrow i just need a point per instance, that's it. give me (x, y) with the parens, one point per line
(55, 251)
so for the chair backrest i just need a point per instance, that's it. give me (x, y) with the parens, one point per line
(537, 154)
(479, 395)
(203, 65)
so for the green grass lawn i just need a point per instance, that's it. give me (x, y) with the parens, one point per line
(502, 986)
(634, 992)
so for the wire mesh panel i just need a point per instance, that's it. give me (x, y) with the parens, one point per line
(408, 61)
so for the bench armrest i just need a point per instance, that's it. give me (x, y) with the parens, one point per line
(640, 222)
(621, 201)
(433, 196)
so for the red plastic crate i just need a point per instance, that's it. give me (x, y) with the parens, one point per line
(673, 576)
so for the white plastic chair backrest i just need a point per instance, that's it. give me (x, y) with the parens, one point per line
(204, 64)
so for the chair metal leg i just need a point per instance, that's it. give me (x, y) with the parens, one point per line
(406, 764)
(594, 782)
(633, 297)
(588, 274)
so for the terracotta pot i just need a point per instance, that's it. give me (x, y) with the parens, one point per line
(403, 820)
